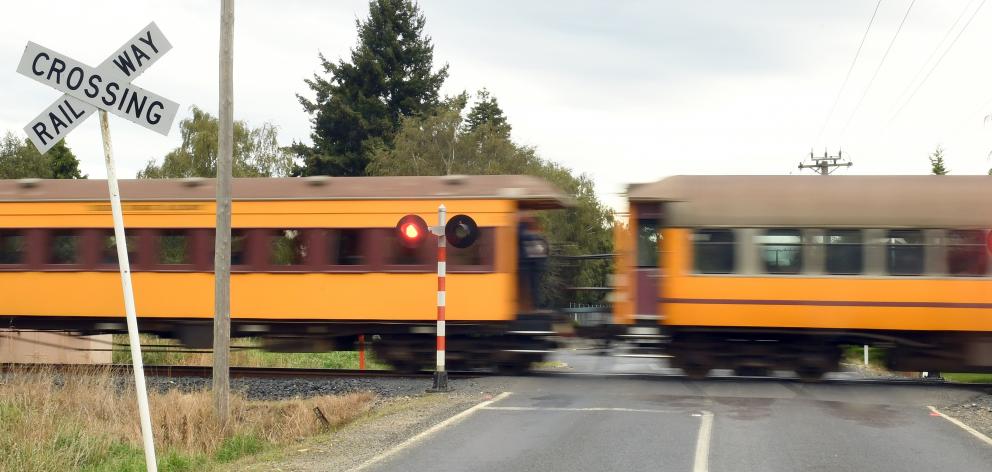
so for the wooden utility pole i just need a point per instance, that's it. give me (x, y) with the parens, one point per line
(222, 243)
(826, 164)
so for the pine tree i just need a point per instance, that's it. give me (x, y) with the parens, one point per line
(487, 111)
(359, 107)
(937, 162)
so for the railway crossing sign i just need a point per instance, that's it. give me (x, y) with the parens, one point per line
(106, 87)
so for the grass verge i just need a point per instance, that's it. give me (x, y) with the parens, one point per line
(89, 422)
(968, 378)
(242, 357)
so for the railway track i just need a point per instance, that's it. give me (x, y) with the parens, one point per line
(236, 372)
(301, 373)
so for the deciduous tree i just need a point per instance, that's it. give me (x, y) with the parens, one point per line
(256, 151)
(19, 159)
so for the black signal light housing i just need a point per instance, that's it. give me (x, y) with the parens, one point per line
(461, 231)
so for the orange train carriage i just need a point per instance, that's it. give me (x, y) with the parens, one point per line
(315, 263)
(777, 272)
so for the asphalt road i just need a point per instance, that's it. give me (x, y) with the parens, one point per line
(585, 422)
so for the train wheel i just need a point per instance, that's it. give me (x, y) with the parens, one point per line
(696, 371)
(810, 373)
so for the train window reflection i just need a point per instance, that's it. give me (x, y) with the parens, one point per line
(239, 241)
(401, 255)
(288, 247)
(904, 252)
(781, 251)
(714, 251)
(173, 248)
(844, 251)
(11, 247)
(966, 253)
(63, 248)
(648, 238)
(346, 247)
(108, 248)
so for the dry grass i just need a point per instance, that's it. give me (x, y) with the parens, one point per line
(50, 421)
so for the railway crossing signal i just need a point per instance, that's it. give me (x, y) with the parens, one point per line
(106, 88)
(461, 231)
(412, 229)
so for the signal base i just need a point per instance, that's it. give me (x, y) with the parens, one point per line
(440, 384)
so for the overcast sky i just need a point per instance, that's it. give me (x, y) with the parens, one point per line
(623, 91)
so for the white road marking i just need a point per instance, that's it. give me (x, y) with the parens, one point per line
(701, 463)
(430, 431)
(539, 408)
(963, 426)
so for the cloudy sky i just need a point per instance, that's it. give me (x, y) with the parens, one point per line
(624, 91)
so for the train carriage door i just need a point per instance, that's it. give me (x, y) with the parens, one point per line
(647, 275)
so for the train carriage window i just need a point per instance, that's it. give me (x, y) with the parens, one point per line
(782, 251)
(239, 242)
(477, 257)
(347, 247)
(288, 247)
(904, 252)
(648, 243)
(844, 251)
(713, 251)
(966, 253)
(63, 247)
(173, 247)
(12, 245)
(108, 248)
(400, 255)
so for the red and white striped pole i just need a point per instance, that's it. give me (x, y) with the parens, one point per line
(440, 374)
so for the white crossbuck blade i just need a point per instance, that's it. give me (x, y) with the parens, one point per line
(107, 87)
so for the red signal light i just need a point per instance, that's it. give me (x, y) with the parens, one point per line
(411, 230)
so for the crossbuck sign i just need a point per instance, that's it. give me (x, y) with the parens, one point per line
(107, 86)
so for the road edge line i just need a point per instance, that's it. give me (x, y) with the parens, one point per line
(430, 431)
(974, 432)
(701, 461)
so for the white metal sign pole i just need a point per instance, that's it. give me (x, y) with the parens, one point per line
(132, 320)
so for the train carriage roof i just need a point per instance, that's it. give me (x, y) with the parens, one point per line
(859, 201)
(531, 192)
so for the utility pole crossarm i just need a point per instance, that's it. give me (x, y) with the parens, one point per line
(827, 164)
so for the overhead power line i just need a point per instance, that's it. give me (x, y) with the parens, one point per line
(936, 49)
(847, 77)
(941, 58)
(879, 68)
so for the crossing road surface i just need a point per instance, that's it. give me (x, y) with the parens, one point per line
(582, 423)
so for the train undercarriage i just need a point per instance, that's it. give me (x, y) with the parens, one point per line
(810, 353)
(509, 347)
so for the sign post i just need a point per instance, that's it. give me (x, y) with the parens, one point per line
(440, 374)
(106, 88)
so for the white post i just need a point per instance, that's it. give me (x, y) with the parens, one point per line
(866, 354)
(132, 320)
